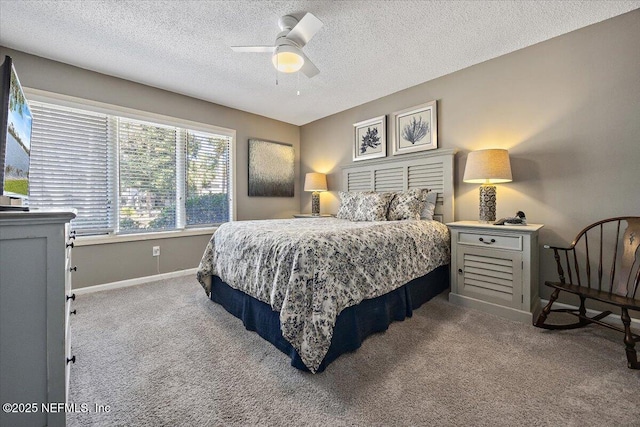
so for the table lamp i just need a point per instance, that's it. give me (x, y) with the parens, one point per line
(315, 182)
(488, 167)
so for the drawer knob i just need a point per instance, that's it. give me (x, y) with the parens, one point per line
(73, 312)
(72, 235)
(72, 297)
(70, 245)
(74, 268)
(459, 271)
(71, 360)
(485, 242)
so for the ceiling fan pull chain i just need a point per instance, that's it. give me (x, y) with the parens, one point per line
(298, 85)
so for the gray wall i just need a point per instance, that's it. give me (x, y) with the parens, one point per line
(113, 262)
(106, 263)
(568, 110)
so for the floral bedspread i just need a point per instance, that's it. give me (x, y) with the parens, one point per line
(309, 270)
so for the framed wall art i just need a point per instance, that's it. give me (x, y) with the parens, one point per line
(271, 169)
(370, 139)
(415, 129)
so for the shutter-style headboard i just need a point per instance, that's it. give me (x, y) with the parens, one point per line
(432, 170)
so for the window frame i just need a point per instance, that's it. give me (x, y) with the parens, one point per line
(39, 95)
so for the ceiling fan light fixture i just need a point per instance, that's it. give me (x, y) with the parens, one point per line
(287, 59)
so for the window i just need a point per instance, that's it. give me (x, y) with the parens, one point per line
(207, 178)
(147, 172)
(71, 164)
(125, 175)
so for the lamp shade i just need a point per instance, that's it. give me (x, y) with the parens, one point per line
(314, 181)
(287, 59)
(488, 167)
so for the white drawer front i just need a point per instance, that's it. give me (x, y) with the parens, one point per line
(490, 240)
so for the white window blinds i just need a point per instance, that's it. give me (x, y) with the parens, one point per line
(72, 166)
(207, 178)
(128, 176)
(147, 171)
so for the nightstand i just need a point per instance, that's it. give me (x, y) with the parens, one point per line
(312, 216)
(494, 268)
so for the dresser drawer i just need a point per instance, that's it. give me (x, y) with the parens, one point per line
(490, 240)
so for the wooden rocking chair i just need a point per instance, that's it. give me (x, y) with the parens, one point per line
(603, 264)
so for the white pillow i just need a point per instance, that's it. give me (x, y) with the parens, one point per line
(430, 205)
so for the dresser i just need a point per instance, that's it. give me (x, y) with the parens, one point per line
(495, 268)
(35, 306)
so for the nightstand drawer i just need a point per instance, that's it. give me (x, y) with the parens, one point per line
(490, 240)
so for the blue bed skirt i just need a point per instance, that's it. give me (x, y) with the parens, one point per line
(353, 325)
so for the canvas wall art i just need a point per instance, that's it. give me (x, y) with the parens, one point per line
(271, 169)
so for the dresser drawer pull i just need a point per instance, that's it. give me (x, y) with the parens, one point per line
(70, 245)
(487, 243)
(72, 234)
(71, 360)
(74, 268)
(459, 271)
(73, 312)
(72, 297)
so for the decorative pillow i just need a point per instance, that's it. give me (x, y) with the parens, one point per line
(348, 204)
(430, 205)
(372, 206)
(407, 204)
(364, 205)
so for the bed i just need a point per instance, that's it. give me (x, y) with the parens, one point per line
(316, 288)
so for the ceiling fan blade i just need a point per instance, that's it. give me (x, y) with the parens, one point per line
(253, 49)
(308, 68)
(304, 30)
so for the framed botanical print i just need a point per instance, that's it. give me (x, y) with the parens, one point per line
(415, 129)
(370, 139)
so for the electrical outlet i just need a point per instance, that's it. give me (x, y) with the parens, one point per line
(156, 251)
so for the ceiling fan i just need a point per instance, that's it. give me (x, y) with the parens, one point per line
(287, 54)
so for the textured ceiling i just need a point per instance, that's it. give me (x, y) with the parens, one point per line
(366, 49)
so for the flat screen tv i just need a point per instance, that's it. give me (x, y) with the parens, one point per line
(15, 136)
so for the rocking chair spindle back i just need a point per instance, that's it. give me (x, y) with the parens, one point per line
(611, 247)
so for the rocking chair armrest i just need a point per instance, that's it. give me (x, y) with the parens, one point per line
(558, 248)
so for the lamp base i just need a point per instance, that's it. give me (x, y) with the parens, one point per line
(487, 203)
(315, 203)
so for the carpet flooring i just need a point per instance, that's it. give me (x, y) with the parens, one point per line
(163, 354)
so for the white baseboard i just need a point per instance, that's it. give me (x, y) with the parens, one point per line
(133, 282)
(612, 318)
